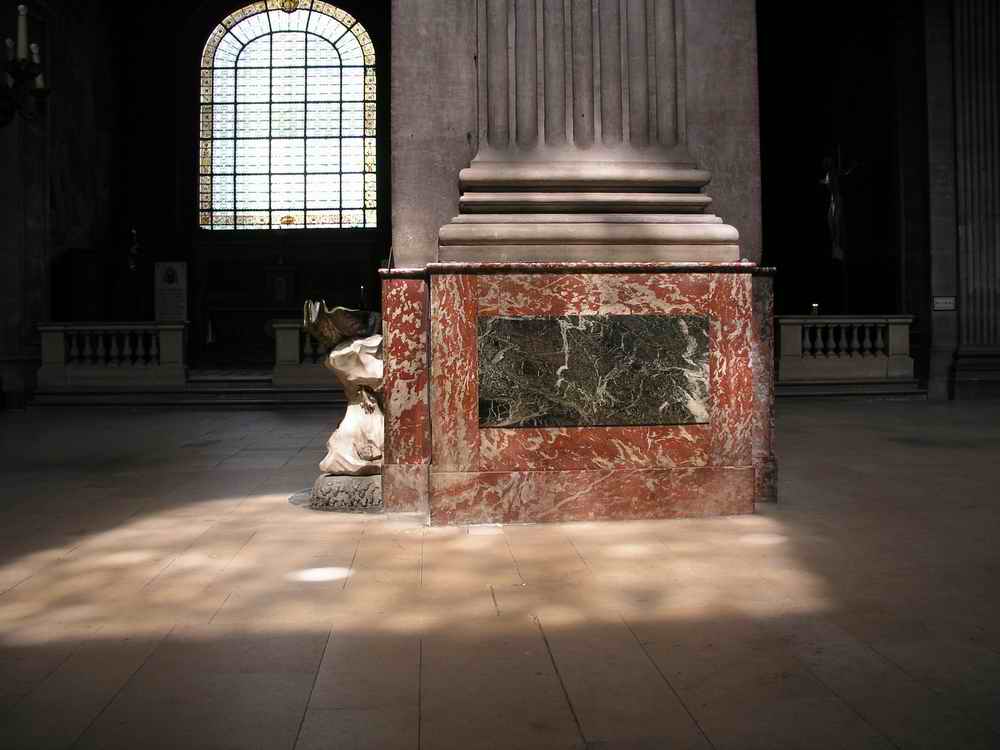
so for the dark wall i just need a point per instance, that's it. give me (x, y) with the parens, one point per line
(121, 139)
(60, 183)
(852, 81)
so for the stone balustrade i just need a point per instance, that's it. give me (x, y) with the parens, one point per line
(845, 349)
(298, 357)
(78, 356)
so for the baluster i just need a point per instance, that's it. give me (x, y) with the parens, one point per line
(133, 348)
(879, 341)
(855, 343)
(72, 346)
(116, 348)
(88, 350)
(866, 342)
(806, 345)
(154, 347)
(838, 341)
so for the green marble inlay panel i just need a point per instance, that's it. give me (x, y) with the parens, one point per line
(593, 370)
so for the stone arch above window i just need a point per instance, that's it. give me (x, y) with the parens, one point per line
(287, 132)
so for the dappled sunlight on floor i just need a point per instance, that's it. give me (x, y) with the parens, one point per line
(184, 602)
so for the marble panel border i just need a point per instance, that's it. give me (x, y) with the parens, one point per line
(555, 496)
(406, 380)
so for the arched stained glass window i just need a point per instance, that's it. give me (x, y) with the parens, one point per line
(287, 120)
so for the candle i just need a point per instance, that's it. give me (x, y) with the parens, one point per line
(36, 58)
(22, 32)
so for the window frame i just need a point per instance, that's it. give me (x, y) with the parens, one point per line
(304, 235)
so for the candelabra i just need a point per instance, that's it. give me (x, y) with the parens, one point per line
(23, 91)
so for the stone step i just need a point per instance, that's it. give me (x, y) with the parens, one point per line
(199, 395)
(903, 388)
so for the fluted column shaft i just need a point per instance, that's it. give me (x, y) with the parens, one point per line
(977, 137)
(573, 79)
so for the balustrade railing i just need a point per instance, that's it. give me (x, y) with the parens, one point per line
(844, 348)
(115, 355)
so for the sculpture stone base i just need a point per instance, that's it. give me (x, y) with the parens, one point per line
(347, 494)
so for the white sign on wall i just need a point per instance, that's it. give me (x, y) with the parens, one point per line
(171, 291)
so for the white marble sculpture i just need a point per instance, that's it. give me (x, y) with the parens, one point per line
(350, 478)
(355, 447)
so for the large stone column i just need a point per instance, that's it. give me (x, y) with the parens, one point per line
(963, 118)
(590, 349)
(583, 139)
(977, 163)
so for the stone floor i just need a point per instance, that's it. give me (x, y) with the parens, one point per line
(158, 591)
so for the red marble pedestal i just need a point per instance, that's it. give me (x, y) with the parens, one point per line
(439, 460)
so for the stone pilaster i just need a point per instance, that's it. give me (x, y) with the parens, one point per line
(976, 37)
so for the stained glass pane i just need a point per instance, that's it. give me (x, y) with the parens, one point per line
(367, 48)
(222, 120)
(319, 219)
(354, 84)
(253, 85)
(257, 54)
(222, 156)
(223, 85)
(288, 84)
(288, 191)
(250, 28)
(288, 219)
(324, 155)
(321, 52)
(205, 193)
(350, 50)
(206, 122)
(251, 220)
(252, 121)
(252, 191)
(222, 220)
(333, 12)
(322, 191)
(251, 155)
(288, 120)
(323, 120)
(227, 52)
(352, 191)
(352, 120)
(206, 86)
(222, 192)
(208, 56)
(352, 159)
(288, 49)
(323, 84)
(288, 155)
